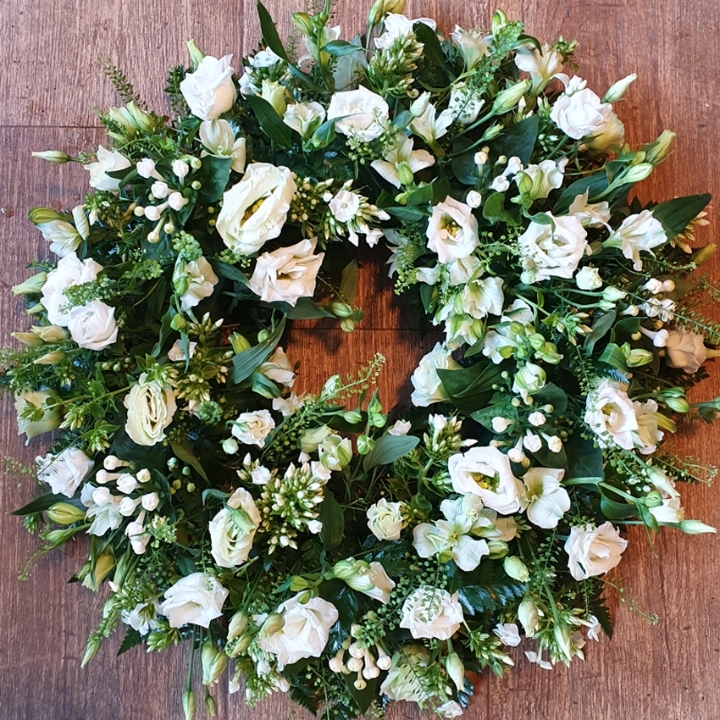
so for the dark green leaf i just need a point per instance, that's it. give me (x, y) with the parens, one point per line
(675, 215)
(213, 493)
(270, 122)
(409, 214)
(596, 184)
(269, 32)
(304, 309)
(388, 449)
(601, 326)
(323, 136)
(614, 356)
(43, 503)
(551, 394)
(333, 521)
(213, 176)
(248, 361)
(420, 195)
(518, 140)
(349, 281)
(614, 510)
(364, 698)
(432, 52)
(585, 459)
(229, 271)
(131, 639)
(469, 389)
(183, 450)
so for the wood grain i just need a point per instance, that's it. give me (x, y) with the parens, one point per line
(49, 87)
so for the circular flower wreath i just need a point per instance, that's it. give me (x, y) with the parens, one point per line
(313, 544)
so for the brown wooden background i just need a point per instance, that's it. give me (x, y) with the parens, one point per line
(48, 88)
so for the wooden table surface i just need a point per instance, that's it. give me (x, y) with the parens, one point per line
(49, 85)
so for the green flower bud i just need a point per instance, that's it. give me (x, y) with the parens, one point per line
(40, 216)
(637, 173)
(678, 404)
(617, 90)
(213, 662)
(103, 565)
(653, 499)
(91, 649)
(702, 255)
(352, 416)
(65, 514)
(312, 437)
(365, 444)
(381, 7)
(178, 323)
(210, 704)
(636, 357)
(188, 703)
(30, 339)
(499, 20)
(695, 527)
(516, 568)
(405, 174)
(50, 333)
(303, 22)
(54, 156)
(507, 99)
(613, 294)
(196, 55)
(341, 309)
(335, 452)
(455, 670)
(239, 342)
(50, 358)
(32, 286)
(660, 149)
(497, 549)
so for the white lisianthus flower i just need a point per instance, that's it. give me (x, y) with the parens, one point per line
(579, 112)
(344, 205)
(465, 104)
(404, 680)
(107, 161)
(65, 471)
(70, 271)
(590, 214)
(255, 210)
(429, 126)
(385, 519)
(305, 118)
(473, 45)
(327, 35)
(588, 278)
(542, 65)
(528, 380)
(232, 530)
(593, 551)
(612, 136)
(397, 26)
(196, 599)
(210, 91)
(610, 414)
(426, 382)
(278, 368)
(431, 612)
(252, 428)
(554, 249)
(402, 162)
(218, 137)
(49, 421)
(528, 615)
(150, 409)
(486, 472)
(298, 630)
(361, 114)
(537, 181)
(483, 297)
(547, 501)
(648, 436)
(288, 273)
(637, 232)
(685, 350)
(92, 326)
(194, 281)
(452, 231)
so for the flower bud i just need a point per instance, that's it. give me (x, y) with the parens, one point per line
(213, 663)
(528, 617)
(239, 342)
(499, 21)
(613, 294)
(455, 670)
(617, 90)
(356, 573)
(419, 106)
(210, 704)
(678, 404)
(365, 444)
(700, 256)
(508, 99)
(40, 216)
(32, 286)
(381, 7)
(50, 333)
(637, 173)
(91, 649)
(103, 565)
(341, 309)
(196, 55)
(497, 549)
(230, 446)
(188, 703)
(54, 156)
(352, 416)
(65, 514)
(335, 452)
(303, 22)
(30, 339)
(274, 93)
(660, 149)
(50, 358)
(653, 499)
(695, 527)
(516, 568)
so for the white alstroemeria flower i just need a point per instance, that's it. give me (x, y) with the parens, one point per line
(65, 471)
(547, 501)
(70, 271)
(610, 413)
(360, 114)
(305, 118)
(685, 350)
(402, 162)
(452, 231)
(327, 35)
(398, 26)
(593, 551)
(588, 278)
(210, 91)
(150, 409)
(345, 205)
(543, 66)
(486, 472)
(473, 44)
(92, 326)
(432, 613)
(140, 618)
(367, 578)
(590, 214)
(647, 437)
(465, 103)
(177, 353)
(196, 599)
(670, 511)
(103, 508)
(537, 659)
(252, 428)
(426, 382)
(219, 139)
(401, 427)
(278, 368)
(255, 210)
(508, 633)
(404, 680)
(537, 181)
(288, 273)
(430, 126)
(194, 281)
(233, 529)
(385, 519)
(579, 112)
(483, 297)
(107, 161)
(637, 232)
(554, 249)
(298, 630)
(288, 405)
(449, 709)
(528, 380)
(463, 270)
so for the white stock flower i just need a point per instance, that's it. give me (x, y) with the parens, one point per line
(233, 528)
(593, 551)
(452, 231)
(579, 112)
(92, 326)
(255, 210)
(302, 631)
(107, 161)
(508, 633)
(542, 65)
(547, 501)
(252, 428)
(210, 91)
(637, 232)
(196, 599)
(685, 350)
(385, 519)
(554, 249)
(588, 278)
(70, 271)
(483, 297)
(65, 471)
(427, 387)
(431, 612)
(610, 412)
(473, 44)
(402, 162)
(429, 125)
(305, 118)
(194, 281)
(360, 114)
(288, 273)
(590, 214)
(150, 409)
(486, 472)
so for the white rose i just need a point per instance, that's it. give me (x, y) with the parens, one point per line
(385, 519)
(552, 250)
(210, 91)
(452, 231)
(431, 613)
(588, 278)
(150, 409)
(547, 500)
(50, 419)
(92, 326)
(107, 161)
(428, 388)
(593, 551)
(361, 114)
(232, 530)
(301, 632)
(685, 350)
(486, 472)
(579, 112)
(65, 471)
(194, 281)
(70, 271)
(637, 232)
(288, 273)
(255, 210)
(196, 599)
(404, 680)
(305, 118)
(609, 411)
(251, 428)
(473, 45)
